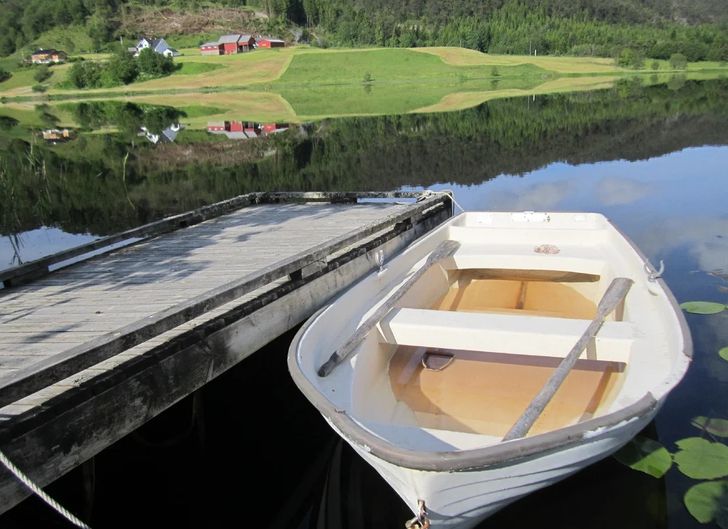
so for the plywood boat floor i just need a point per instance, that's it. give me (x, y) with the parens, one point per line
(546, 298)
(486, 392)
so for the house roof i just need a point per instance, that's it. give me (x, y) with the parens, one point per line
(49, 50)
(227, 39)
(210, 45)
(160, 45)
(235, 37)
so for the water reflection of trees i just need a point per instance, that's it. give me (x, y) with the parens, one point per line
(83, 181)
(126, 117)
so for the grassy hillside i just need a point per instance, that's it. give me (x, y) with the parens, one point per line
(388, 66)
(300, 84)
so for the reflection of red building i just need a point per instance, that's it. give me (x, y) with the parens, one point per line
(244, 129)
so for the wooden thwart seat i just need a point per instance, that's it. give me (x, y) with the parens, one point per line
(503, 333)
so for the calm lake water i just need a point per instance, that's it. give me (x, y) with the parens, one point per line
(249, 450)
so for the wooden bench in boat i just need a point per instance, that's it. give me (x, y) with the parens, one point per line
(504, 333)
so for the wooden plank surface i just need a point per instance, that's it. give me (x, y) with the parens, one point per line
(51, 316)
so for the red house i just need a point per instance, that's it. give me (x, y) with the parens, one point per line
(267, 42)
(235, 43)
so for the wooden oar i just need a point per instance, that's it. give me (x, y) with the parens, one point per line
(443, 250)
(612, 297)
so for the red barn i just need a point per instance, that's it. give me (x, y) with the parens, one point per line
(235, 43)
(267, 42)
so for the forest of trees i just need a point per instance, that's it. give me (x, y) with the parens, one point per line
(697, 29)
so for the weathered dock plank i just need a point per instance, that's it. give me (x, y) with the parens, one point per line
(160, 318)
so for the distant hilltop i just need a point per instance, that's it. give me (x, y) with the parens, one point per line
(653, 28)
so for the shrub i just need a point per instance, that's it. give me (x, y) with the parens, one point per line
(39, 88)
(4, 75)
(629, 58)
(678, 61)
(85, 74)
(42, 73)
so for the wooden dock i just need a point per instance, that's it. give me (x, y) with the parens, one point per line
(91, 351)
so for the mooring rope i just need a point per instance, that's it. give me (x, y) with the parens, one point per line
(25, 480)
(430, 193)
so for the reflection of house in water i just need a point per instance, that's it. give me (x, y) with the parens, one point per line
(242, 130)
(57, 135)
(168, 135)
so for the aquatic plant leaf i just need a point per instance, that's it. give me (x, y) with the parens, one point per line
(708, 501)
(702, 307)
(717, 427)
(645, 455)
(701, 459)
(724, 353)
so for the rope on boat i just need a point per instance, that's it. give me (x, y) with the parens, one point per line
(428, 193)
(421, 521)
(25, 480)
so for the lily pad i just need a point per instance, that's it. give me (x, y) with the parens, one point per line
(708, 501)
(702, 459)
(645, 455)
(702, 307)
(724, 353)
(717, 427)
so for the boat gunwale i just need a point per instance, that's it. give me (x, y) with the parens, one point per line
(501, 454)
(504, 453)
(650, 269)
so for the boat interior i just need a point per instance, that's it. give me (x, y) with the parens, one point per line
(467, 349)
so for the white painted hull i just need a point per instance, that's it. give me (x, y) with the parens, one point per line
(436, 435)
(463, 499)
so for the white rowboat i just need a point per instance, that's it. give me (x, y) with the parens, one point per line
(500, 353)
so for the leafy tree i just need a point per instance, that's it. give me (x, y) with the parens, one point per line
(122, 67)
(4, 75)
(629, 58)
(154, 64)
(678, 61)
(85, 74)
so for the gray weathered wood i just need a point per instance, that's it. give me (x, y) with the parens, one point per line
(77, 418)
(40, 267)
(614, 295)
(202, 299)
(443, 250)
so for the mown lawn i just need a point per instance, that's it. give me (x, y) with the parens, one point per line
(389, 66)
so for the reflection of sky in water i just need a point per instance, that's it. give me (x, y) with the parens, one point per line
(675, 208)
(679, 200)
(38, 243)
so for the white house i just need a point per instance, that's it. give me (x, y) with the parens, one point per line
(157, 46)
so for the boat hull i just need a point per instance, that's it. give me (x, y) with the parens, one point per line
(461, 500)
(436, 433)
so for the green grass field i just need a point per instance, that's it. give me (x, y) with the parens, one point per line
(391, 65)
(303, 83)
